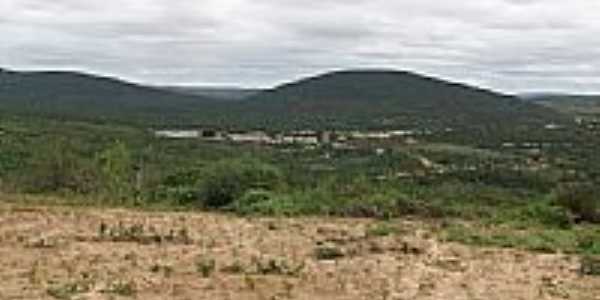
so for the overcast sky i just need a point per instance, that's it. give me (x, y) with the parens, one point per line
(509, 45)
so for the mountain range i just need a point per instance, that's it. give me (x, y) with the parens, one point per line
(343, 99)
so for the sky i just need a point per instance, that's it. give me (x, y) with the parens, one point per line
(509, 45)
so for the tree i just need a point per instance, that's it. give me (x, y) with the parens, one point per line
(117, 169)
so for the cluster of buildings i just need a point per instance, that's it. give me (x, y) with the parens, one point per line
(590, 123)
(304, 137)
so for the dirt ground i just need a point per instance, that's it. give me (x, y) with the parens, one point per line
(66, 253)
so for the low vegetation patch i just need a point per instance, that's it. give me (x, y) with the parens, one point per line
(381, 229)
(121, 288)
(137, 233)
(328, 253)
(582, 200)
(206, 266)
(68, 290)
(590, 265)
(578, 240)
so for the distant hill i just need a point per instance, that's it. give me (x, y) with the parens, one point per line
(82, 96)
(572, 104)
(375, 98)
(217, 93)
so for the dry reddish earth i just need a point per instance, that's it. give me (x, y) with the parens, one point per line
(49, 253)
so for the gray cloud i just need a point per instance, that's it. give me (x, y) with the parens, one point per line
(508, 45)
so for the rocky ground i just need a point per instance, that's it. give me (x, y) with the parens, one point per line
(67, 253)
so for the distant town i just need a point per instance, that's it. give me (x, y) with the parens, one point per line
(304, 137)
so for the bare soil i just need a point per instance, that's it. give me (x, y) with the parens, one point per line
(76, 253)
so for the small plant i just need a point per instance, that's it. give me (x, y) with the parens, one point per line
(235, 268)
(42, 243)
(103, 230)
(121, 288)
(272, 266)
(139, 234)
(68, 291)
(206, 267)
(328, 253)
(250, 282)
(382, 229)
(165, 269)
(590, 266)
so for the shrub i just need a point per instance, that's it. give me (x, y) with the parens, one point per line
(255, 202)
(328, 253)
(69, 290)
(582, 200)
(546, 214)
(273, 266)
(226, 181)
(206, 267)
(121, 288)
(181, 186)
(590, 265)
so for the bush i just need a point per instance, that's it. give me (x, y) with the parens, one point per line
(582, 200)
(547, 214)
(253, 201)
(179, 187)
(226, 181)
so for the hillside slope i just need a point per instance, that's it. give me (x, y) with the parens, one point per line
(81, 96)
(391, 98)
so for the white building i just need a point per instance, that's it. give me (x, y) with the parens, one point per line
(177, 134)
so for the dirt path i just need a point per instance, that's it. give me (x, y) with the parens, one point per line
(61, 253)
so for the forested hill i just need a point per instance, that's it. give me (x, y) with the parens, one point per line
(391, 98)
(81, 96)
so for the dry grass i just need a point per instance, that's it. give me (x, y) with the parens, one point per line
(66, 253)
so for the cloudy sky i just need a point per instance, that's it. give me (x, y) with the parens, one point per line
(510, 45)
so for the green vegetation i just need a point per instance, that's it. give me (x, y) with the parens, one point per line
(227, 181)
(582, 200)
(137, 233)
(117, 165)
(69, 290)
(576, 240)
(121, 288)
(206, 267)
(382, 229)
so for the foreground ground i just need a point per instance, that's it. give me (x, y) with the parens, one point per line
(85, 253)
